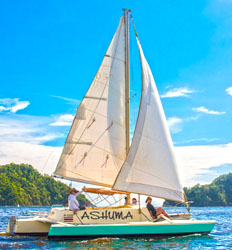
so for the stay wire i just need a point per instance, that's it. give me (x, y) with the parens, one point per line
(132, 81)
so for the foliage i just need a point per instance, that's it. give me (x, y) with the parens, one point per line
(217, 193)
(23, 185)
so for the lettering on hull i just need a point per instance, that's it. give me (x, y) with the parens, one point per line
(106, 215)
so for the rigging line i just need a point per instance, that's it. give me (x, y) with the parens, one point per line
(100, 197)
(104, 116)
(91, 123)
(145, 216)
(79, 219)
(96, 199)
(82, 176)
(134, 26)
(92, 200)
(132, 80)
(116, 47)
(87, 178)
(108, 152)
(86, 153)
(105, 198)
(105, 162)
(114, 202)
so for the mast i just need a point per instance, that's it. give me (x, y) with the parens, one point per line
(127, 84)
(127, 78)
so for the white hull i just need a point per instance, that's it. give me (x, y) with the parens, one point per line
(128, 215)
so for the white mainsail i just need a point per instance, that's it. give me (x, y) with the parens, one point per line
(95, 147)
(150, 167)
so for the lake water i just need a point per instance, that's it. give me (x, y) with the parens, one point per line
(219, 238)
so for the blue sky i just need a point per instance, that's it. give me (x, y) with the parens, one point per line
(51, 50)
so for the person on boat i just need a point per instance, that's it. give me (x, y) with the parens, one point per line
(134, 201)
(154, 212)
(125, 200)
(73, 203)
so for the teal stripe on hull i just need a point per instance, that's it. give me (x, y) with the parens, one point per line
(138, 230)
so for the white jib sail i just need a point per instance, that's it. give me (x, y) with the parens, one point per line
(150, 167)
(95, 147)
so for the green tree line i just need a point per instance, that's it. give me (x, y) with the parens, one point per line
(22, 184)
(217, 193)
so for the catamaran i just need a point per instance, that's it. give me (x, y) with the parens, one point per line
(97, 151)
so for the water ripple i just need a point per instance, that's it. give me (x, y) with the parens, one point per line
(219, 238)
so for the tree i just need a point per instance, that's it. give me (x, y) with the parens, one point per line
(22, 184)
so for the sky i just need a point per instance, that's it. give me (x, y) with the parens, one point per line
(51, 50)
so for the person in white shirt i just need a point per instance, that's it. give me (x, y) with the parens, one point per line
(73, 203)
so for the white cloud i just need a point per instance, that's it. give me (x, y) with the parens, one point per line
(198, 160)
(193, 160)
(229, 90)
(174, 124)
(43, 158)
(70, 100)
(198, 140)
(63, 120)
(25, 128)
(207, 111)
(12, 105)
(178, 92)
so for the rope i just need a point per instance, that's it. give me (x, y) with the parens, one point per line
(132, 82)
(114, 202)
(83, 158)
(134, 25)
(105, 163)
(79, 219)
(91, 123)
(93, 145)
(111, 124)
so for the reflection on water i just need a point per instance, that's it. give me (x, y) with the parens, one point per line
(220, 238)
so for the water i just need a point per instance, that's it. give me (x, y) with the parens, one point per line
(219, 238)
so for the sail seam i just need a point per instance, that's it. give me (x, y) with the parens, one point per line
(153, 176)
(178, 193)
(84, 181)
(115, 58)
(104, 116)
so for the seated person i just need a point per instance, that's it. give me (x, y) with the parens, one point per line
(73, 203)
(155, 212)
(126, 200)
(134, 201)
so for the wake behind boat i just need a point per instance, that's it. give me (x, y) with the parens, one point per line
(97, 151)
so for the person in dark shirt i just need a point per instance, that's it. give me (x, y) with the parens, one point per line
(155, 212)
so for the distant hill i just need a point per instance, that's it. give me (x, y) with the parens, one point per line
(23, 185)
(217, 193)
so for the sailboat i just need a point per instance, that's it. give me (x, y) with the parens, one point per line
(97, 151)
